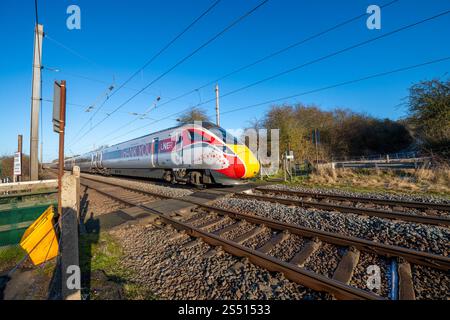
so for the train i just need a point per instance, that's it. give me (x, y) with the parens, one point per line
(199, 153)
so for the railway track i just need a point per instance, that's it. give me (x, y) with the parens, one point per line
(260, 239)
(392, 203)
(262, 194)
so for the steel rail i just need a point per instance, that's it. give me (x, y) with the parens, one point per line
(414, 256)
(293, 272)
(299, 275)
(395, 215)
(402, 203)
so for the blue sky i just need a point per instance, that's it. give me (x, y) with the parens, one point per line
(118, 37)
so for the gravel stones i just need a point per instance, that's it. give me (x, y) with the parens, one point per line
(149, 186)
(173, 271)
(286, 250)
(428, 238)
(430, 283)
(361, 275)
(384, 196)
(325, 260)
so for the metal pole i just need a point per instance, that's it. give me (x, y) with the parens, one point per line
(36, 102)
(62, 119)
(217, 106)
(19, 149)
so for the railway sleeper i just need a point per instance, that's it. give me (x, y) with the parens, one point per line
(346, 267)
(306, 252)
(211, 223)
(406, 286)
(249, 234)
(228, 228)
(276, 239)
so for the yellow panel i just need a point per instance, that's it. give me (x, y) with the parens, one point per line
(39, 240)
(249, 159)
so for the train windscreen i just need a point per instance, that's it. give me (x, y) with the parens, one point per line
(221, 133)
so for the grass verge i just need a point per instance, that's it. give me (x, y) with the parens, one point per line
(421, 182)
(104, 277)
(10, 256)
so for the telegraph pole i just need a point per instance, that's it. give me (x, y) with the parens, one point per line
(217, 106)
(36, 102)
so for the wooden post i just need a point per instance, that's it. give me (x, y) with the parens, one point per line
(62, 120)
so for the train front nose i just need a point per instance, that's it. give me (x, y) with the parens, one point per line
(249, 160)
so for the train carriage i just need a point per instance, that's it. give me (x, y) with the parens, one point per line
(198, 153)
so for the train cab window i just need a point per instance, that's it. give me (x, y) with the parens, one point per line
(221, 133)
(195, 136)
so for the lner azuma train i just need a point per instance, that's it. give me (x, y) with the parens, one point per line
(199, 153)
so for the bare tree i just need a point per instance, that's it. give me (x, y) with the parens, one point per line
(194, 114)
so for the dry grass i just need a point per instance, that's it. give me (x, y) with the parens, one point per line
(434, 181)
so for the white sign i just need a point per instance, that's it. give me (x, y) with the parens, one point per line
(290, 155)
(17, 164)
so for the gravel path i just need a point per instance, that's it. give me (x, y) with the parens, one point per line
(144, 186)
(98, 204)
(172, 270)
(428, 238)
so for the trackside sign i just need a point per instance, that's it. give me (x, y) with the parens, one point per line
(17, 164)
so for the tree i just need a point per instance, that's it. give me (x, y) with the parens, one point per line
(194, 114)
(342, 132)
(7, 166)
(429, 112)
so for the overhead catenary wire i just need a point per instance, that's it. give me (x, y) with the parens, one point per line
(260, 60)
(79, 105)
(336, 85)
(73, 51)
(167, 46)
(223, 31)
(85, 77)
(274, 54)
(156, 55)
(333, 54)
(340, 84)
